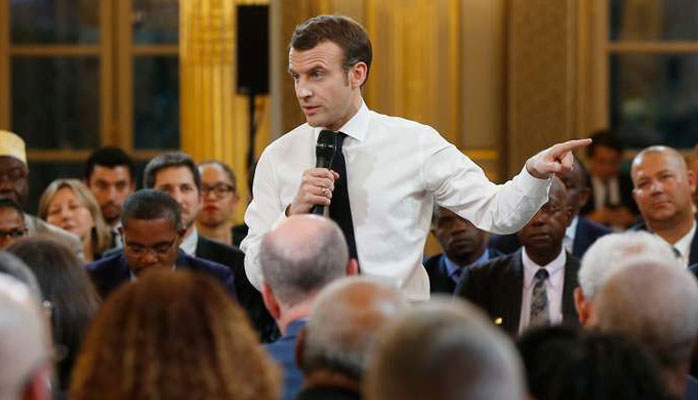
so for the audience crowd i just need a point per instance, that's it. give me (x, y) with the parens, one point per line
(110, 292)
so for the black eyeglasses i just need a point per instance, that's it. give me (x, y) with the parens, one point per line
(160, 249)
(12, 233)
(219, 190)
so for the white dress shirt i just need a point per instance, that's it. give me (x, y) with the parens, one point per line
(396, 169)
(553, 287)
(189, 242)
(601, 198)
(570, 233)
(683, 245)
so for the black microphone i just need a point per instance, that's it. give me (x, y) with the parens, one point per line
(324, 154)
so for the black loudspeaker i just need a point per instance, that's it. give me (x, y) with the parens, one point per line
(253, 49)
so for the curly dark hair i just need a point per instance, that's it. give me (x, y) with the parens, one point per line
(173, 335)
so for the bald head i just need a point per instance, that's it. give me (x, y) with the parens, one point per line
(443, 351)
(668, 153)
(302, 255)
(344, 324)
(23, 338)
(655, 304)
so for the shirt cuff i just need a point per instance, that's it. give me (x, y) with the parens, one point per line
(534, 185)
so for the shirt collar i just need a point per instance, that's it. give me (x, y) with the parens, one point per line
(554, 267)
(189, 242)
(683, 245)
(356, 127)
(571, 230)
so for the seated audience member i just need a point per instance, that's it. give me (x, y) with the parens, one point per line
(299, 257)
(611, 201)
(111, 177)
(67, 288)
(464, 245)
(219, 196)
(15, 186)
(151, 229)
(535, 285)
(176, 174)
(563, 363)
(25, 370)
(581, 233)
(604, 258)
(11, 223)
(444, 351)
(663, 190)
(68, 204)
(172, 336)
(657, 305)
(16, 268)
(341, 332)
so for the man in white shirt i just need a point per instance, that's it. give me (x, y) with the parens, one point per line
(663, 190)
(395, 168)
(509, 288)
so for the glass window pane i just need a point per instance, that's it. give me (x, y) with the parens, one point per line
(54, 21)
(654, 99)
(55, 102)
(156, 103)
(155, 21)
(654, 20)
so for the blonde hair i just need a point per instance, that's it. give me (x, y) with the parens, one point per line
(101, 234)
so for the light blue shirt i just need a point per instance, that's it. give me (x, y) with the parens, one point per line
(454, 270)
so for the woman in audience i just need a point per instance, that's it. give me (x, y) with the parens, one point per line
(67, 292)
(173, 335)
(69, 204)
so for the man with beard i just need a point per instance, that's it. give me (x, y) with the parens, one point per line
(535, 285)
(111, 177)
(464, 246)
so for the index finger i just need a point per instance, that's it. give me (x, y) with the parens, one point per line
(570, 145)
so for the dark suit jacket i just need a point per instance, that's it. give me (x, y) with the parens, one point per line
(110, 272)
(584, 236)
(284, 352)
(497, 286)
(692, 258)
(625, 186)
(439, 281)
(249, 298)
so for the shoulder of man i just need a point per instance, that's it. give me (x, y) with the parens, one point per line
(219, 252)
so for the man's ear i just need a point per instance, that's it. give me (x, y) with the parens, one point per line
(270, 301)
(581, 305)
(691, 176)
(358, 74)
(300, 343)
(352, 267)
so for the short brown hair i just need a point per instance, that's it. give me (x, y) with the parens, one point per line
(348, 34)
(173, 335)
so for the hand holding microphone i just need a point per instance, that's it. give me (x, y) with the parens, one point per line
(317, 183)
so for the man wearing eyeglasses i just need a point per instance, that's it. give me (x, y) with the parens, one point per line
(219, 199)
(151, 231)
(12, 225)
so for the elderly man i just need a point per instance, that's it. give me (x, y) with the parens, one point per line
(386, 172)
(444, 351)
(604, 258)
(657, 305)
(14, 185)
(342, 330)
(25, 366)
(535, 285)
(300, 257)
(151, 231)
(663, 190)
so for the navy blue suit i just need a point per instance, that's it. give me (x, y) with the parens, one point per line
(584, 236)
(284, 352)
(692, 258)
(439, 281)
(110, 272)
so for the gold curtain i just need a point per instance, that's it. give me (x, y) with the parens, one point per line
(214, 119)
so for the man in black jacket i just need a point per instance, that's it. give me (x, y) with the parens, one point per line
(176, 174)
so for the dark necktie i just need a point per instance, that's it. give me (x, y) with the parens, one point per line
(340, 211)
(540, 311)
